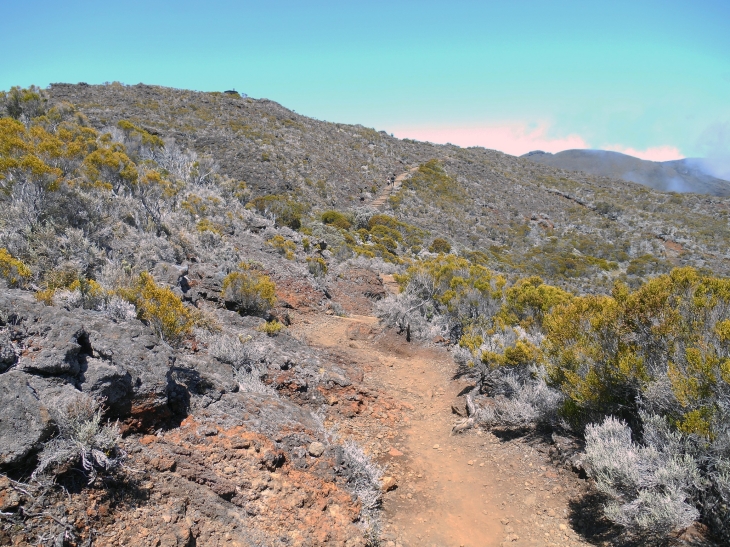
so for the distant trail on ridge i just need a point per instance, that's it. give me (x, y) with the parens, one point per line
(382, 197)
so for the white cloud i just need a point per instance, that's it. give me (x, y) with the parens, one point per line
(518, 138)
(515, 138)
(654, 153)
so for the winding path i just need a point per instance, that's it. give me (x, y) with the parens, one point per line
(382, 198)
(467, 490)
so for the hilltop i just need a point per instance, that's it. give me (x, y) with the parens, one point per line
(685, 175)
(569, 227)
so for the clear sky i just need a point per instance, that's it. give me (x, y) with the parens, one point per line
(647, 77)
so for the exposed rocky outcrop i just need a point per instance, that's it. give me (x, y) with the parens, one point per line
(207, 460)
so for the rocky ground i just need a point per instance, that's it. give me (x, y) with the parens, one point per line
(210, 464)
(208, 461)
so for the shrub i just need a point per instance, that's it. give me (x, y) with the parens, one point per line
(520, 400)
(161, 309)
(363, 480)
(45, 296)
(337, 219)
(651, 487)
(249, 380)
(464, 290)
(24, 104)
(317, 266)
(119, 309)
(81, 293)
(137, 133)
(398, 230)
(283, 210)
(230, 349)
(529, 300)
(205, 225)
(647, 265)
(83, 439)
(283, 246)
(271, 328)
(603, 351)
(13, 270)
(249, 291)
(64, 286)
(110, 168)
(522, 353)
(440, 245)
(379, 232)
(433, 183)
(444, 296)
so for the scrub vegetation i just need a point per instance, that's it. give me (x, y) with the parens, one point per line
(580, 305)
(644, 374)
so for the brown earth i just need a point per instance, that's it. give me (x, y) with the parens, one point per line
(471, 489)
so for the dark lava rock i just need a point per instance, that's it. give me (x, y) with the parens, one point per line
(27, 419)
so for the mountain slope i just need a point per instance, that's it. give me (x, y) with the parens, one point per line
(573, 228)
(189, 261)
(685, 175)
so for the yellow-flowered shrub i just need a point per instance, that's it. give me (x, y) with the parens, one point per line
(161, 308)
(13, 270)
(605, 351)
(249, 290)
(283, 246)
(271, 328)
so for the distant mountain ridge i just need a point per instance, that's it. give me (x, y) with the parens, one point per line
(685, 175)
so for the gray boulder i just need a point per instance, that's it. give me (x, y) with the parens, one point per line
(26, 420)
(124, 364)
(54, 345)
(8, 356)
(128, 367)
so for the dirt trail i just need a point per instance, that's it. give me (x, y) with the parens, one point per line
(386, 192)
(470, 490)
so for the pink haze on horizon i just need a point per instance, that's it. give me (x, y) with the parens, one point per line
(518, 138)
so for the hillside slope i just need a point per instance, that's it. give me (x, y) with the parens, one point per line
(524, 216)
(685, 175)
(212, 311)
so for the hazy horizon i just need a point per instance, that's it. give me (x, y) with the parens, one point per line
(650, 81)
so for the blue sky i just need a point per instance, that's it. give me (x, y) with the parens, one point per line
(647, 77)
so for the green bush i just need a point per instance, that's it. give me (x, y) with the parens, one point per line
(284, 210)
(336, 219)
(604, 351)
(529, 300)
(411, 235)
(23, 103)
(440, 245)
(249, 291)
(647, 265)
(159, 307)
(432, 184)
(13, 270)
(271, 328)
